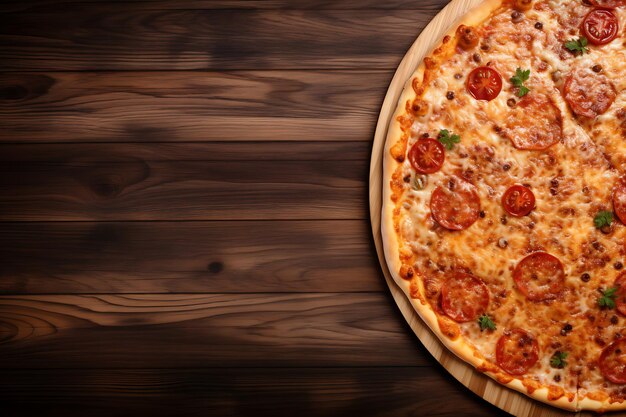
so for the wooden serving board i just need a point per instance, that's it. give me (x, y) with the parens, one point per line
(506, 399)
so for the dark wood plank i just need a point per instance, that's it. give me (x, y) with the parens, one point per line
(305, 392)
(129, 39)
(190, 106)
(192, 257)
(53, 5)
(112, 183)
(190, 151)
(186, 330)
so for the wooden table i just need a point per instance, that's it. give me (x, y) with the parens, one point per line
(183, 205)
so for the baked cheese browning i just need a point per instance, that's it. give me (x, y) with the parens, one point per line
(619, 200)
(513, 225)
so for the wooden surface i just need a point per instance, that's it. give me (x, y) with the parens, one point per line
(184, 215)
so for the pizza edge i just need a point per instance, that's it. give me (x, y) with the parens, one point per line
(459, 347)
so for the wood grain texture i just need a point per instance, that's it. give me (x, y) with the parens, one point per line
(166, 123)
(192, 257)
(216, 330)
(188, 151)
(53, 5)
(190, 106)
(129, 39)
(114, 183)
(306, 392)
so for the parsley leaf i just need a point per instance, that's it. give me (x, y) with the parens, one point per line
(558, 359)
(577, 46)
(608, 298)
(518, 81)
(603, 219)
(485, 323)
(447, 139)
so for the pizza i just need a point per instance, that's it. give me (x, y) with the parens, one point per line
(504, 197)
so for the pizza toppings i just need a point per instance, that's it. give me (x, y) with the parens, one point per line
(600, 26)
(448, 139)
(484, 83)
(607, 4)
(467, 37)
(603, 220)
(570, 160)
(517, 351)
(619, 297)
(539, 276)
(607, 300)
(518, 81)
(427, 156)
(619, 200)
(420, 182)
(486, 323)
(577, 46)
(464, 297)
(566, 329)
(518, 200)
(620, 294)
(523, 5)
(455, 206)
(558, 360)
(588, 94)
(613, 362)
(534, 124)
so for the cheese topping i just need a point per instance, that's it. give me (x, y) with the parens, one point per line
(454, 224)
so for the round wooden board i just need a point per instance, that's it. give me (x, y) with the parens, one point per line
(506, 399)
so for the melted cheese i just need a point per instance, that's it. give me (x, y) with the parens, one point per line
(572, 181)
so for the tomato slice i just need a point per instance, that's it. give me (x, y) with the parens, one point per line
(484, 83)
(427, 156)
(619, 200)
(455, 206)
(620, 296)
(588, 94)
(518, 200)
(539, 276)
(600, 26)
(464, 297)
(517, 351)
(613, 362)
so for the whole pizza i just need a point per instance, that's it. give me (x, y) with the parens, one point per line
(504, 203)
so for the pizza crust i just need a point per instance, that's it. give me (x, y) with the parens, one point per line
(459, 346)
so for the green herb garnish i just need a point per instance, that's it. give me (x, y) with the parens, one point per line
(518, 80)
(558, 359)
(608, 298)
(485, 323)
(448, 139)
(603, 219)
(577, 46)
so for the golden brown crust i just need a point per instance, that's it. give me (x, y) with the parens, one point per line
(400, 262)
